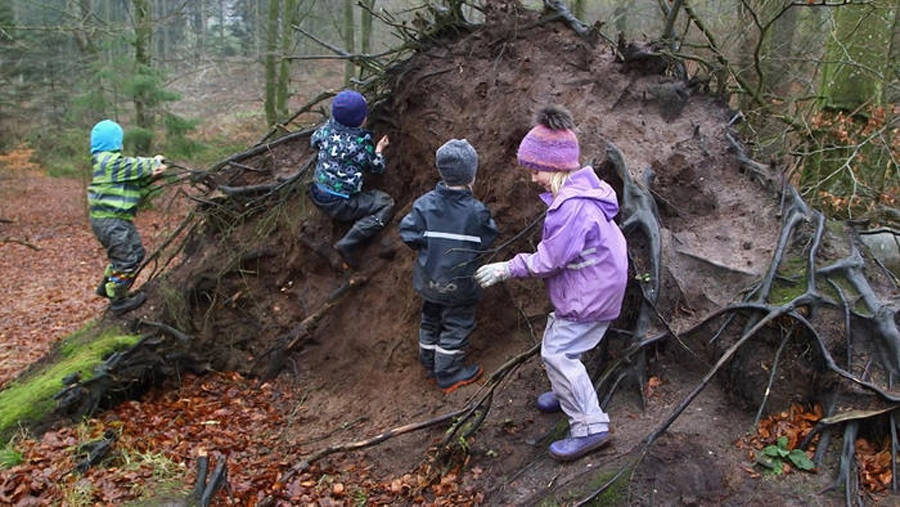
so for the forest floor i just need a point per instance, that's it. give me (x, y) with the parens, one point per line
(360, 376)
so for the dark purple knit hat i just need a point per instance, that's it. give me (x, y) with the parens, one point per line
(349, 108)
(551, 145)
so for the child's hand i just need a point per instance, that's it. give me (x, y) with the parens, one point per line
(382, 144)
(161, 168)
(489, 274)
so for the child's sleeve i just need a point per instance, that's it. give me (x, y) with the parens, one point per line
(374, 161)
(563, 241)
(488, 229)
(132, 169)
(412, 229)
(315, 140)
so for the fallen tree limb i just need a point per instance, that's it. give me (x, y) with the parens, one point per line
(306, 108)
(261, 148)
(20, 242)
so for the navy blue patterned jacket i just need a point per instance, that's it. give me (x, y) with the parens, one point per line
(449, 228)
(344, 154)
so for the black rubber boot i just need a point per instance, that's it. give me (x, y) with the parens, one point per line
(126, 304)
(463, 376)
(348, 252)
(352, 242)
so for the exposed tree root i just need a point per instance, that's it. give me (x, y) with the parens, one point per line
(639, 213)
(269, 363)
(884, 335)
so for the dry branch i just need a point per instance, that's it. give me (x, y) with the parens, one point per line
(20, 242)
(261, 148)
(306, 108)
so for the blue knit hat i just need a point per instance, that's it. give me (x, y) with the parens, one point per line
(106, 136)
(349, 108)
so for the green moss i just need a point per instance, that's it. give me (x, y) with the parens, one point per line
(30, 397)
(615, 494)
(9, 457)
(782, 292)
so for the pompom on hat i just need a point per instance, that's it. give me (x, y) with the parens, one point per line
(551, 145)
(349, 108)
(106, 136)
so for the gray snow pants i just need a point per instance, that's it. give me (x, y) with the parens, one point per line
(369, 211)
(124, 250)
(444, 336)
(563, 344)
(122, 242)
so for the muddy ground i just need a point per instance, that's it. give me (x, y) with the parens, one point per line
(360, 372)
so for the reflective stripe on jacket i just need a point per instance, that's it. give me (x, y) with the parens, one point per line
(582, 255)
(118, 184)
(449, 228)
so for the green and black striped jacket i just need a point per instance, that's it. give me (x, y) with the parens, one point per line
(118, 184)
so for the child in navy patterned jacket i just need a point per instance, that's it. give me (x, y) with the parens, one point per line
(345, 152)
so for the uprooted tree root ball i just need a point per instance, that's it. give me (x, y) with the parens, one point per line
(731, 273)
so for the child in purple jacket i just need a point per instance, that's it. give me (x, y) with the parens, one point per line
(583, 260)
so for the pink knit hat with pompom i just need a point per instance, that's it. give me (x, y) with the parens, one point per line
(551, 145)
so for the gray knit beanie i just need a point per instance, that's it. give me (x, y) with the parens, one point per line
(457, 162)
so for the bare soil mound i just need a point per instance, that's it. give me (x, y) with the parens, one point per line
(250, 274)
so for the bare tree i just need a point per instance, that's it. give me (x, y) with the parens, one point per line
(349, 44)
(271, 47)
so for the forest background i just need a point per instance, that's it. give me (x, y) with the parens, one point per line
(817, 79)
(813, 84)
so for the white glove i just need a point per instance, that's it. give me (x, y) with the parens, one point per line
(489, 274)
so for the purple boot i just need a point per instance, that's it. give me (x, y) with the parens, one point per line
(548, 403)
(572, 448)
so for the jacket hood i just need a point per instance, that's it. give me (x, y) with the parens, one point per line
(106, 136)
(584, 184)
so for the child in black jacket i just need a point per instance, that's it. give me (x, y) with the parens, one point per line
(449, 228)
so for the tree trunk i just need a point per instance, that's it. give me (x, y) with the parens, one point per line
(143, 37)
(221, 25)
(81, 13)
(348, 39)
(893, 93)
(365, 40)
(257, 40)
(778, 50)
(284, 70)
(271, 47)
(198, 24)
(856, 55)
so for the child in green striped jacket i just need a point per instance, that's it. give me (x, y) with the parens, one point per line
(117, 186)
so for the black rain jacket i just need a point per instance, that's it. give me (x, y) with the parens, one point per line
(450, 229)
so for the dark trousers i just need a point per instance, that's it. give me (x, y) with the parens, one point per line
(369, 211)
(124, 250)
(444, 336)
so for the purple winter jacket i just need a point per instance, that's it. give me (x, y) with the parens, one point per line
(582, 254)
